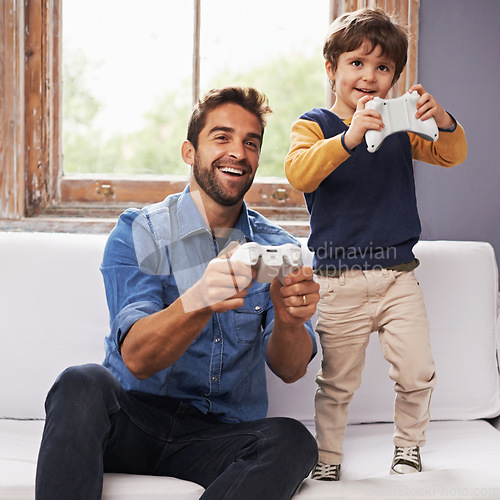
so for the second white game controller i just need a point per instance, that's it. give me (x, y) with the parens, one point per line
(269, 261)
(398, 115)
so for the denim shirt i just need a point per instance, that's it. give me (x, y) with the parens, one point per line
(154, 255)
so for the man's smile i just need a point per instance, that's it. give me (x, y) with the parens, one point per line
(232, 167)
(232, 171)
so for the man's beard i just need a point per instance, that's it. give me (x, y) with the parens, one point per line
(208, 181)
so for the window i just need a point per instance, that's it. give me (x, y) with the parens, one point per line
(128, 90)
(40, 187)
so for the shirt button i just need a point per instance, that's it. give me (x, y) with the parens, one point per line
(217, 340)
(257, 308)
(214, 379)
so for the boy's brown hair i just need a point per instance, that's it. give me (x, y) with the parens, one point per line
(246, 97)
(350, 31)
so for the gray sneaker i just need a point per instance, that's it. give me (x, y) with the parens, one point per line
(326, 472)
(406, 460)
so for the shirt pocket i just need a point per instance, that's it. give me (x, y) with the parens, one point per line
(249, 318)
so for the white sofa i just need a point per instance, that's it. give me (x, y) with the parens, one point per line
(53, 314)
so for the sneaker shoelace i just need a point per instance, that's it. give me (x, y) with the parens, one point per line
(326, 472)
(409, 455)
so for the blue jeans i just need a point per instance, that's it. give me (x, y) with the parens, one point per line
(94, 426)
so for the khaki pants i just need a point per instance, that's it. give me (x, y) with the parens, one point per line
(351, 307)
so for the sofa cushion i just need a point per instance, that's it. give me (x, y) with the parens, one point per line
(461, 459)
(19, 443)
(54, 314)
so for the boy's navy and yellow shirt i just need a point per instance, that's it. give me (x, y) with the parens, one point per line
(362, 205)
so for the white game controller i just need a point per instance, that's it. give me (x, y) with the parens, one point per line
(398, 115)
(269, 261)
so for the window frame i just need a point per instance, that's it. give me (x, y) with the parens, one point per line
(36, 194)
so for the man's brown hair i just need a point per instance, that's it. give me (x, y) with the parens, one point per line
(246, 97)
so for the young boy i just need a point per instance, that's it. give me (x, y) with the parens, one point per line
(364, 224)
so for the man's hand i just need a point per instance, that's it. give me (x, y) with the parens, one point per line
(295, 301)
(221, 288)
(362, 120)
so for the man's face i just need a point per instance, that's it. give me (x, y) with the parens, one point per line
(228, 153)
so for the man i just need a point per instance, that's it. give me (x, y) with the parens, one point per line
(182, 391)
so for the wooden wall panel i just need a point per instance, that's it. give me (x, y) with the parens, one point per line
(36, 170)
(11, 110)
(29, 106)
(42, 103)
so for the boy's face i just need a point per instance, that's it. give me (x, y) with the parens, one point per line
(359, 73)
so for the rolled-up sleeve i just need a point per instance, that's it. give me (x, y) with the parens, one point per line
(131, 292)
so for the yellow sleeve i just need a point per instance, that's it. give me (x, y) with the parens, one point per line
(312, 158)
(449, 150)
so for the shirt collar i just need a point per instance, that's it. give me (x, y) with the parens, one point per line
(189, 218)
(190, 221)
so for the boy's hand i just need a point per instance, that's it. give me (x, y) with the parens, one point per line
(427, 106)
(362, 120)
